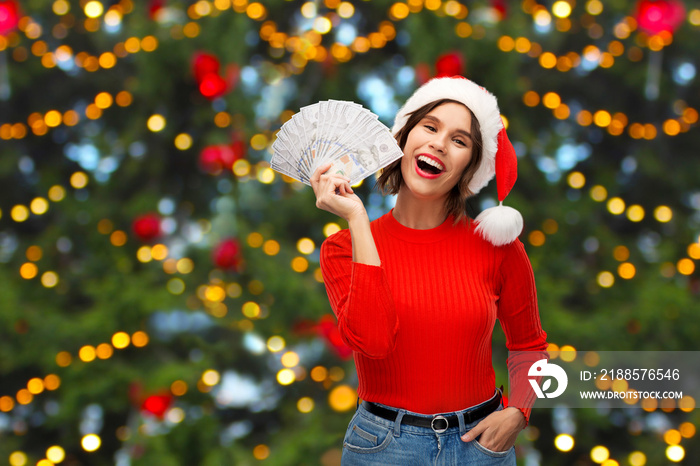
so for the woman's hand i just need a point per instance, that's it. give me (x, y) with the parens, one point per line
(498, 430)
(334, 194)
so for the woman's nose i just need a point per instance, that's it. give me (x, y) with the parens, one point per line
(437, 143)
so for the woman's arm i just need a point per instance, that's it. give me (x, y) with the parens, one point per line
(334, 194)
(355, 281)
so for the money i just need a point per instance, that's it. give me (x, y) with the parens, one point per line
(341, 132)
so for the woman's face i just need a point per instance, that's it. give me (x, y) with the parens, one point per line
(437, 151)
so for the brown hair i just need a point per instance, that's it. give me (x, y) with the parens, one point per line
(391, 179)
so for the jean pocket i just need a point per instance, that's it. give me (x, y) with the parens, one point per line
(364, 436)
(491, 453)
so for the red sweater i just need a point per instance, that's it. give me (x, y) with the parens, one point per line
(421, 323)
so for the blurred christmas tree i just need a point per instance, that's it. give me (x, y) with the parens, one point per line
(160, 296)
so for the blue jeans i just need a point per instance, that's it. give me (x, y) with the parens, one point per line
(372, 440)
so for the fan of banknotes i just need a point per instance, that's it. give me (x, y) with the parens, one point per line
(341, 132)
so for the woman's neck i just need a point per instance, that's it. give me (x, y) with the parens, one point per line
(419, 214)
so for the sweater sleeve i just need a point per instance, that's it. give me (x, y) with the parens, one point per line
(520, 320)
(360, 297)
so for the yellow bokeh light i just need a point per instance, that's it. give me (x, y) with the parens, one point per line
(211, 377)
(551, 100)
(564, 442)
(330, 228)
(616, 205)
(183, 141)
(124, 99)
(258, 142)
(63, 359)
(156, 123)
(19, 213)
(602, 118)
(322, 25)
(60, 7)
(104, 100)
(561, 9)
(57, 193)
(255, 240)
(594, 7)
(276, 344)
(251, 310)
(686, 404)
(35, 385)
(342, 398)
(567, 353)
(306, 246)
(271, 247)
(599, 193)
(346, 10)
(542, 17)
(626, 270)
(256, 11)
(663, 214)
(28, 271)
(605, 279)
(536, 238)
(118, 238)
(87, 353)
(104, 351)
(576, 180)
(78, 180)
(685, 266)
(18, 458)
(53, 118)
(305, 405)
(635, 213)
(52, 382)
(149, 44)
(261, 452)
(266, 175)
(241, 168)
(621, 253)
(34, 253)
(300, 264)
(91, 442)
(694, 251)
(139, 339)
(121, 340)
(599, 454)
(290, 359)
(675, 453)
(49, 279)
(55, 454)
(39, 205)
(107, 60)
(143, 254)
(672, 437)
(24, 397)
(687, 429)
(637, 458)
(93, 9)
(178, 388)
(286, 377)
(319, 374)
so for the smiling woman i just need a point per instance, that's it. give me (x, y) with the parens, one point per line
(419, 323)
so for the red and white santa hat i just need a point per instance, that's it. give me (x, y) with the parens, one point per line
(501, 224)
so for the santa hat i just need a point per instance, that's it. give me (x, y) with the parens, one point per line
(501, 224)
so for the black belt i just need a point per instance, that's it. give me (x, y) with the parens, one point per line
(438, 423)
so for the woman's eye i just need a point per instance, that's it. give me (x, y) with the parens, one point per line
(430, 128)
(460, 142)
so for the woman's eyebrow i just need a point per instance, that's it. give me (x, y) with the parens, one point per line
(437, 120)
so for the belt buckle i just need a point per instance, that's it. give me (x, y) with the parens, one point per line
(439, 418)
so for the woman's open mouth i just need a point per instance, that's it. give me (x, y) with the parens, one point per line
(428, 166)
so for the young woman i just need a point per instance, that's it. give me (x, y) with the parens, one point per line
(417, 291)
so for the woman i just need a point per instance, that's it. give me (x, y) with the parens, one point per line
(417, 292)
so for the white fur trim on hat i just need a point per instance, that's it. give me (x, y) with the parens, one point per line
(499, 225)
(481, 102)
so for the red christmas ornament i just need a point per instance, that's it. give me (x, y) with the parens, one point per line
(449, 64)
(501, 7)
(147, 227)
(328, 328)
(154, 6)
(213, 86)
(9, 16)
(215, 159)
(157, 405)
(204, 64)
(227, 254)
(659, 16)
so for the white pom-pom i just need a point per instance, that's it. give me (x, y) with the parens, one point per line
(499, 225)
